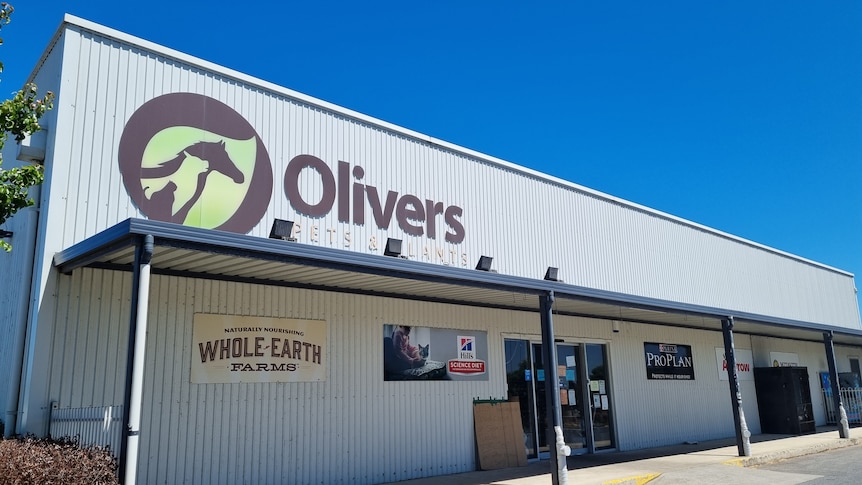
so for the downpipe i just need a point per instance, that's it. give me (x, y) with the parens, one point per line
(135, 384)
(28, 247)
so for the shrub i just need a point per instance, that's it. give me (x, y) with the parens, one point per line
(29, 460)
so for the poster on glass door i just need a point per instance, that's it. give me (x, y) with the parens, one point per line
(433, 354)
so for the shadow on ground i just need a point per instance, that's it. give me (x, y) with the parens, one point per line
(577, 462)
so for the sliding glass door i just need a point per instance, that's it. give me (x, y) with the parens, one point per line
(584, 394)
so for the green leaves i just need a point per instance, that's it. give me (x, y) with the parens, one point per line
(14, 185)
(14, 191)
(20, 117)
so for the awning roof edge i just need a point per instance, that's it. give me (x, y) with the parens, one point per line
(127, 233)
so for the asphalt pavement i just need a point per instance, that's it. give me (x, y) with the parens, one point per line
(707, 462)
(838, 467)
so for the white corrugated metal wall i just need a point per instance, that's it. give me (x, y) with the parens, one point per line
(87, 357)
(353, 428)
(16, 268)
(521, 220)
(659, 412)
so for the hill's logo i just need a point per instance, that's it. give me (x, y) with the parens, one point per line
(466, 364)
(465, 347)
(189, 159)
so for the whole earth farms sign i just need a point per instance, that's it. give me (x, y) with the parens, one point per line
(234, 348)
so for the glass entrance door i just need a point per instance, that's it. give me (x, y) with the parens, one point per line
(519, 377)
(526, 376)
(567, 376)
(600, 396)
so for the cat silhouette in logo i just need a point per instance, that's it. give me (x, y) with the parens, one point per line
(210, 157)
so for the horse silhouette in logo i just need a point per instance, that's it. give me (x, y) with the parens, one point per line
(211, 157)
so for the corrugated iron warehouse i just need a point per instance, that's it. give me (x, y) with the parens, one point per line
(213, 263)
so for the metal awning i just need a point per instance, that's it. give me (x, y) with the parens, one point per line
(201, 253)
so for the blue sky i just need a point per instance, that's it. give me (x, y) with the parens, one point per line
(742, 116)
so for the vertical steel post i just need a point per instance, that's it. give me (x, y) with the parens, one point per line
(128, 460)
(743, 435)
(835, 388)
(553, 412)
(28, 248)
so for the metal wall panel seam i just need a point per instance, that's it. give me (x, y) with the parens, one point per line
(92, 332)
(106, 87)
(63, 311)
(104, 367)
(75, 370)
(178, 343)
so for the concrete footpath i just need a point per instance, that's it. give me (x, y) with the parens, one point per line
(642, 466)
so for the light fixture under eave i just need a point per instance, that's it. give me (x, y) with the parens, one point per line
(5, 234)
(552, 274)
(282, 229)
(485, 263)
(393, 248)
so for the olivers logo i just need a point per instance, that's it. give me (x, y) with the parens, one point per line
(189, 159)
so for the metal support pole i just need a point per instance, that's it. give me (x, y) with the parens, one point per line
(743, 435)
(843, 427)
(554, 417)
(28, 249)
(128, 462)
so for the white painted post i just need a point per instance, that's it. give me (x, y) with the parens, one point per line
(136, 384)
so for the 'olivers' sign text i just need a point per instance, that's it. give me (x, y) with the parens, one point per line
(190, 159)
(415, 216)
(231, 348)
(668, 361)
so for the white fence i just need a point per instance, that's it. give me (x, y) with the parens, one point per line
(852, 400)
(95, 426)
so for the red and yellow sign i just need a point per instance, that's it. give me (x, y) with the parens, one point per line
(232, 348)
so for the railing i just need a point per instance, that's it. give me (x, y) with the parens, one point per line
(94, 426)
(852, 400)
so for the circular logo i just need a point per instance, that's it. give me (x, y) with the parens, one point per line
(189, 159)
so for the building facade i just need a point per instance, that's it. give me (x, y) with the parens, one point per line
(313, 356)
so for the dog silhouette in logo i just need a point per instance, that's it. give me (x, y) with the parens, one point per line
(211, 157)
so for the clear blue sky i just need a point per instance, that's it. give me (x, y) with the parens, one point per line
(743, 116)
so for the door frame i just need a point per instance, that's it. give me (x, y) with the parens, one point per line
(583, 379)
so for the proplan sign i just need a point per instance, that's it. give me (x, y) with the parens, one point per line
(193, 160)
(668, 361)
